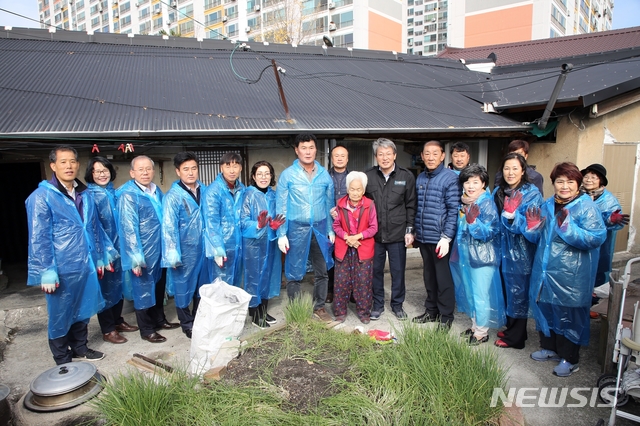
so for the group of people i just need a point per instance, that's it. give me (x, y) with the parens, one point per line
(517, 256)
(502, 256)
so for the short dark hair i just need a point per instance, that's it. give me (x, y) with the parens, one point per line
(473, 170)
(88, 174)
(230, 157)
(183, 157)
(518, 144)
(338, 146)
(53, 155)
(459, 147)
(255, 168)
(523, 164)
(569, 170)
(433, 142)
(305, 137)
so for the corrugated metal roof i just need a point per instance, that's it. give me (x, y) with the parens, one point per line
(74, 89)
(587, 84)
(551, 48)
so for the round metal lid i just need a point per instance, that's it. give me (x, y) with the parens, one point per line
(63, 378)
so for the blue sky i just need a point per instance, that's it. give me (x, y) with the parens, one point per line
(625, 14)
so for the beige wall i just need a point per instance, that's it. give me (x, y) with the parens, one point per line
(581, 142)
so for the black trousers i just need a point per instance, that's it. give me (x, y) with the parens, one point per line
(397, 262)
(187, 315)
(110, 317)
(152, 318)
(516, 333)
(74, 342)
(441, 298)
(564, 347)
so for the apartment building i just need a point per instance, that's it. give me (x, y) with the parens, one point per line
(434, 25)
(363, 24)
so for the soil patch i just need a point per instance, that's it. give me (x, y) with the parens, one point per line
(298, 380)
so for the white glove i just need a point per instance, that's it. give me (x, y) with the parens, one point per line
(283, 244)
(219, 260)
(173, 258)
(332, 237)
(408, 240)
(49, 282)
(443, 247)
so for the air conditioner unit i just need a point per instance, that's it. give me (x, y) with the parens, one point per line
(116, 14)
(157, 11)
(115, 2)
(247, 30)
(174, 4)
(224, 19)
(409, 42)
(332, 5)
(100, 9)
(256, 8)
(332, 27)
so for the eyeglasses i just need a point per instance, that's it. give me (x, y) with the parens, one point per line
(101, 172)
(147, 169)
(263, 175)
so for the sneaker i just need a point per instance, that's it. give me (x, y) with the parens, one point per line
(400, 314)
(565, 369)
(375, 314)
(322, 315)
(261, 324)
(545, 355)
(474, 341)
(90, 355)
(424, 318)
(270, 319)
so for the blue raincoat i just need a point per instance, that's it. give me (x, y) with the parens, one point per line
(564, 268)
(182, 241)
(607, 203)
(518, 253)
(223, 237)
(306, 207)
(139, 231)
(65, 247)
(475, 263)
(105, 200)
(262, 259)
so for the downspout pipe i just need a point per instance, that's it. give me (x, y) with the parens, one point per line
(542, 124)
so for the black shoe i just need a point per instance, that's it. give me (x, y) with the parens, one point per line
(188, 333)
(90, 355)
(473, 341)
(400, 314)
(467, 332)
(269, 319)
(424, 318)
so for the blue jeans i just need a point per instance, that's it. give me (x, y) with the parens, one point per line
(397, 262)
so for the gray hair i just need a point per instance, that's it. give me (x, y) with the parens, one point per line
(141, 157)
(384, 143)
(357, 176)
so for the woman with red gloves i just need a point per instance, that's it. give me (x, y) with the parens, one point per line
(594, 181)
(568, 230)
(475, 257)
(513, 197)
(262, 261)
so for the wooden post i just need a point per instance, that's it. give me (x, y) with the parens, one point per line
(613, 316)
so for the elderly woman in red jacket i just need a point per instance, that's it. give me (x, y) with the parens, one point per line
(355, 226)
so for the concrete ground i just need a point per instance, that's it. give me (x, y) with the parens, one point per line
(23, 335)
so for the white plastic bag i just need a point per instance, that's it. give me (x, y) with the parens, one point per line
(220, 318)
(602, 291)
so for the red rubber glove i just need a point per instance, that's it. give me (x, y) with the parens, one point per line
(534, 217)
(511, 203)
(562, 216)
(276, 222)
(262, 219)
(619, 219)
(473, 211)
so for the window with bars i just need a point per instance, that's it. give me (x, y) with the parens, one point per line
(209, 163)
